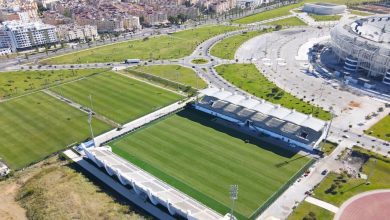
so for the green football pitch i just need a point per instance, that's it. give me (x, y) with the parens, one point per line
(37, 125)
(202, 158)
(117, 97)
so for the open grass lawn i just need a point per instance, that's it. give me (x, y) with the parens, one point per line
(202, 158)
(381, 129)
(345, 187)
(172, 46)
(305, 208)
(325, 17)
(248, 78)
(282, 11)
(288, 22)
(37, 125)
(360, 13)
(328, 147)
(20, 82)
(227, 48)
(117, 97)
(175, 73)
(285, 10)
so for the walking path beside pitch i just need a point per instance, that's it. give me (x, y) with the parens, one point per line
(322, 204)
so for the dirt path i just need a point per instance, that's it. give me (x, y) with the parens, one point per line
(9, 208)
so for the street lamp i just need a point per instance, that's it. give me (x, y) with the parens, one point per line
(233, 197)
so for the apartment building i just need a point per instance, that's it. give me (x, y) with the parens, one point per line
(73, 32)
(19, 35)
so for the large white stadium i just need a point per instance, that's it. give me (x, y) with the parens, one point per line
(364, 46)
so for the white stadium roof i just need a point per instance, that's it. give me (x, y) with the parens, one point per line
(267, 108)
(157, 190)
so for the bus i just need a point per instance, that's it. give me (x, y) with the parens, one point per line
(132, 61)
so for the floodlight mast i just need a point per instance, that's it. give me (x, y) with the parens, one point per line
(233, 197)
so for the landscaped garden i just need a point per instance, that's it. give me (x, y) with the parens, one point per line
(248, 78)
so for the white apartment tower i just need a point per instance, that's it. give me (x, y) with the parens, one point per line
(20, 35)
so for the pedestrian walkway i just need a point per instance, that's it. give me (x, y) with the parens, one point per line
(322, 204)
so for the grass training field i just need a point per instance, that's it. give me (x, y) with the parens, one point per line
(172, 46)
(227, 47)
(20, 82)
(288, 22)
(37, 125)
(174, 73)
(117, 97)
(309, 211)
(325, 17)
(381, 129)
(202, 158)
(248, 78)
(337, 188)
(285, 10)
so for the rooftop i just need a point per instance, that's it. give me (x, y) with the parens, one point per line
(289, 123)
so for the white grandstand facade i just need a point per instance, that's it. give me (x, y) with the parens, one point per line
(322, 8)
(287, 125)
(364, 45)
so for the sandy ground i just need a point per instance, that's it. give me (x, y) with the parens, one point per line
(9, 208)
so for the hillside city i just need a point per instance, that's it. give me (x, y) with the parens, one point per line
(195, 109)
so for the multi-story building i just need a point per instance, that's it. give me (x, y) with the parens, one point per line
(131, 23)
(46, 3)
(76, 32)
(19, 35)
(218, 6)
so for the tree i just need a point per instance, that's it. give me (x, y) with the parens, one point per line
(182, 18)
(141, 19)
(173, 20)
(278, 27)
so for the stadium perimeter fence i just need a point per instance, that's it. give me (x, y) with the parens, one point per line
(281, 190)
(164, 82)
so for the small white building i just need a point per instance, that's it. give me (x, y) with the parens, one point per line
(324, 8)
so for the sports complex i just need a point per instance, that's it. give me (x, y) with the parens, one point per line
(178, 131)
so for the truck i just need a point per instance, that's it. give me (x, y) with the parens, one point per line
(132, 61)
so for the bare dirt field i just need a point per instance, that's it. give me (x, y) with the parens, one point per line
(54, 189)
